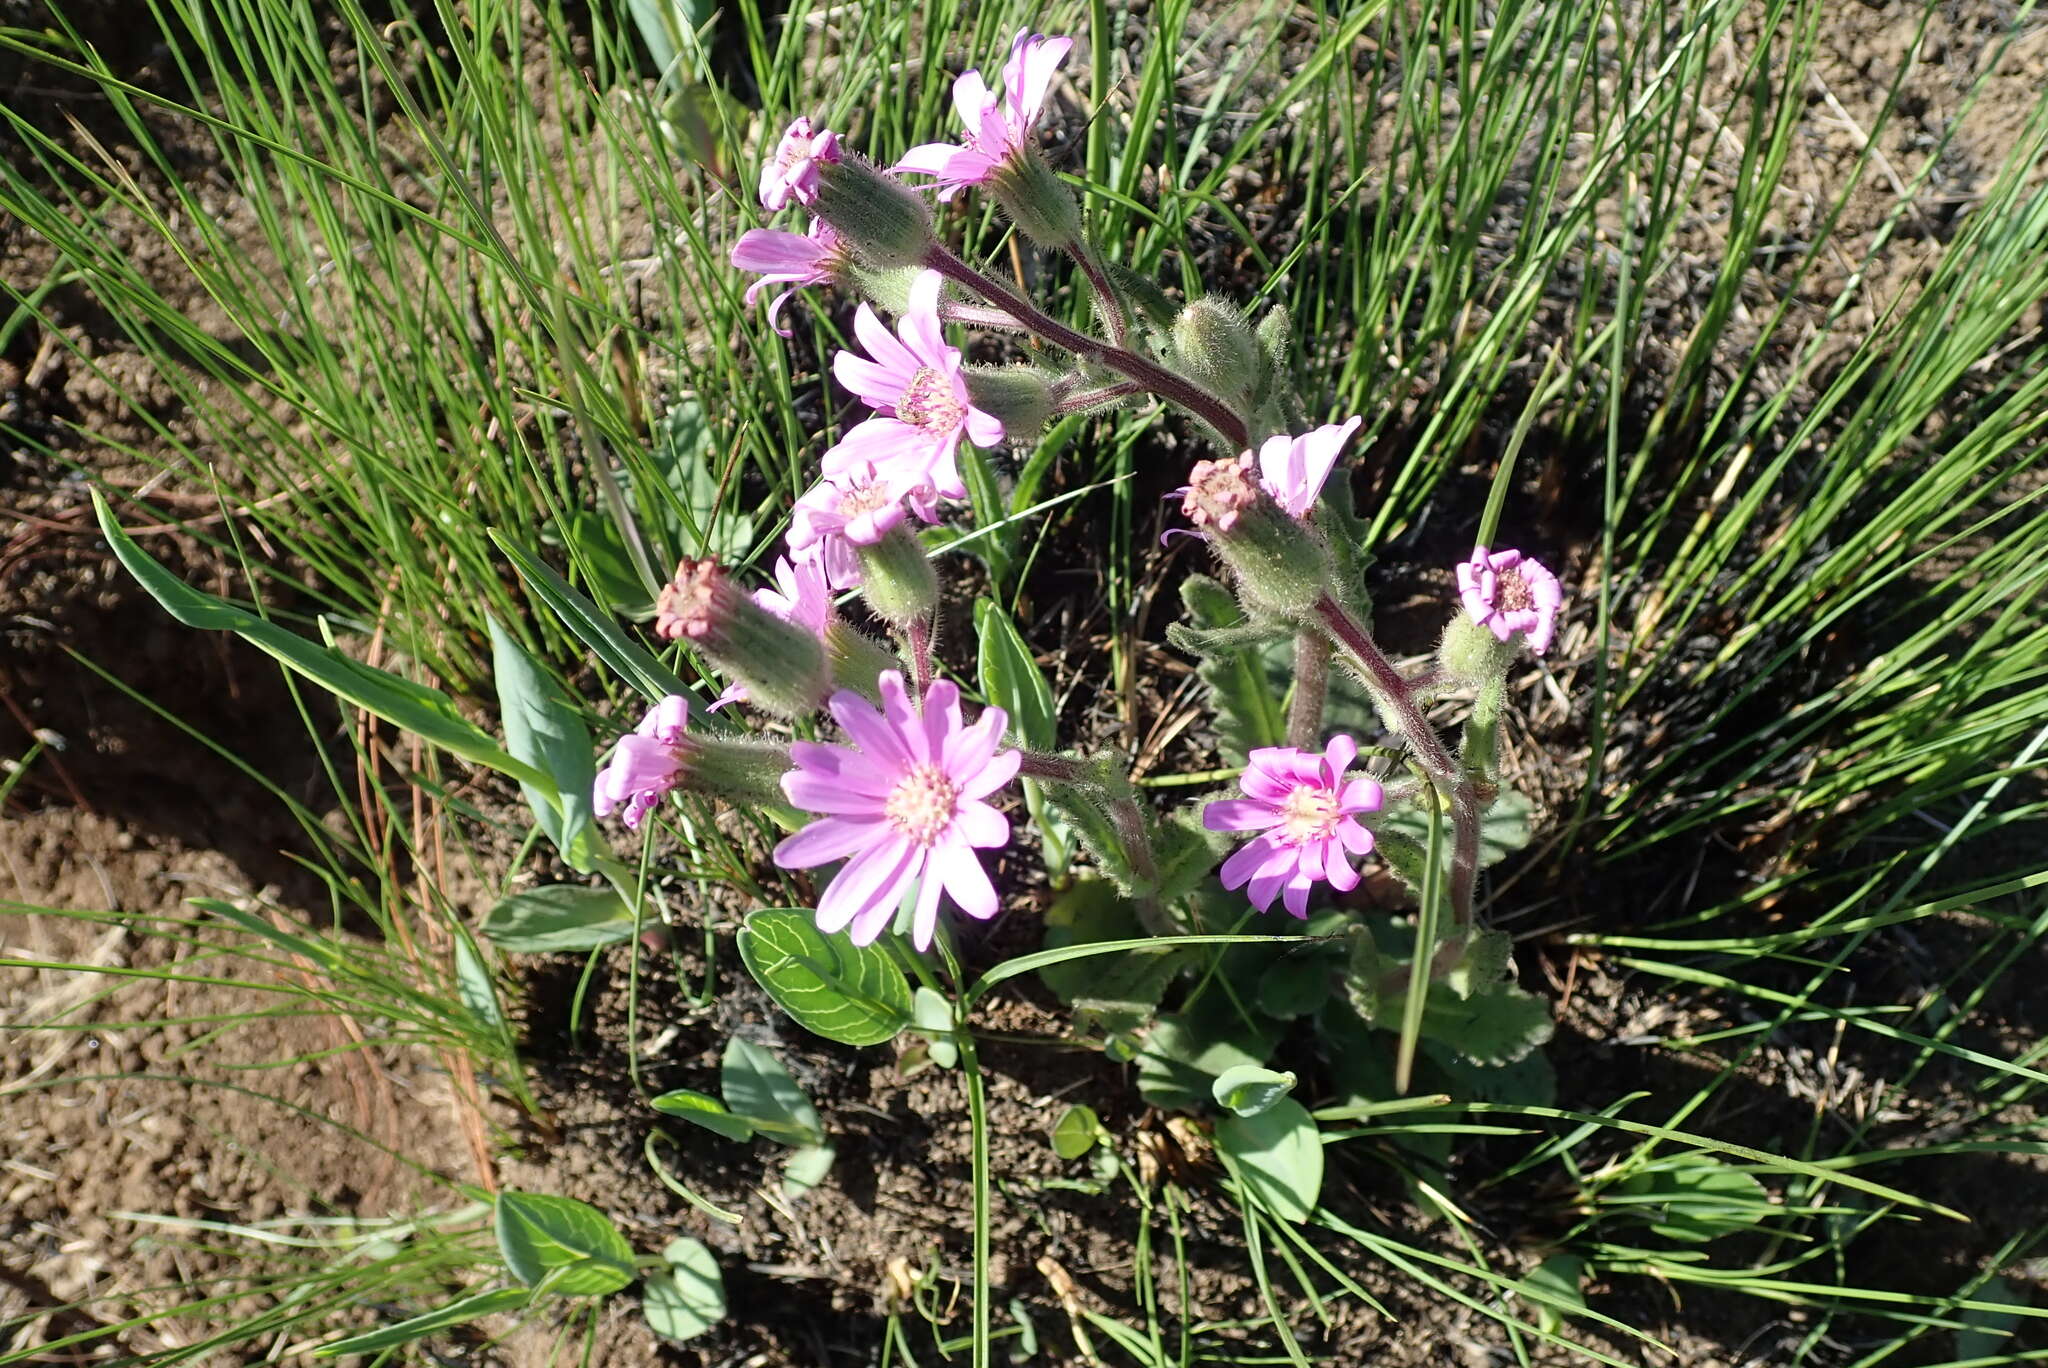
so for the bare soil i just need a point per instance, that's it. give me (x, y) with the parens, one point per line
(127, 813)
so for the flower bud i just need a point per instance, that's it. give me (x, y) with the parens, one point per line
(898, 581)
(781, 664)
(1037, 200)
(1153, 304)
(1218, 352)
(858, 660)
(744, 773)
(1018, 397)
(1282, 565)
(883, 220)
(888, 290)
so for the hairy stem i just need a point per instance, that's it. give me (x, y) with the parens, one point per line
(1150, 374)
(1311, 689)
(975, 316)
(919, 635)
(1083, 400)
(1108, 303)
(1444, 771)
(1121, 806)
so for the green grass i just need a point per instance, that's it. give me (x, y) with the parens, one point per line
(1811, 573)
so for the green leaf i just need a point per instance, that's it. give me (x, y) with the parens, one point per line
(440, 1318)
(704, 1110)
(1278, 1156)
(1117, 992)
(934, 1016)
(1077, 1131)
(807, 1168)
(997, 547)
(1488, 962)
(559, 917)
(1296, 984)
(1693, 1198)
(1181, 1056)
(1491, 1028)
(688, 1297)
(427, 713)
(561, 1245)
(1248, 1089)
(1186, 855)
(1987, 1332)
(598, 550)
(758, 1088)
(854, 994)
(474, 986)
(1556, 1287)
(595, 629)
(1507, 826)
(691, 508)
(1012, 680)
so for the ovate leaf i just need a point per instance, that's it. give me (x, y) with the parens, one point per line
(706, 1111)
(1278, 1155)
(758, 1088)
(559, 917)
(561, 1245)
(854, 994)
(1248, 1089)
(688, 1297)
(1077, 1131)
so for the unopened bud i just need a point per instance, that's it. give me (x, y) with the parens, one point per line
(858, 660)
(1018, 397)
(1218, 352)
(898, 581)
(1282, 565)
(782, 664)
(1036, 200)
(883, 220)
(1153, 304)
(888, 290)
(744, 773)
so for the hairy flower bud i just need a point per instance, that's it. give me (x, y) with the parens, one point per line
(898, 581)
(1037, 200)
(1019, 397)
(1470, 654)
(1218, 352)
(858, 660)
(1282, 565)
(883, 220)
(781, 664)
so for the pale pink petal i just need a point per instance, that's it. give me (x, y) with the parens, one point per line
(770, 249)
(870, 730)
(966, 881)
(1338, 755)
(878, 386)
(866, 881)
(880, 915)
(969, 749)
(1239, 814)
(902, 716)
(828, 840)
(881, 344)
(972, 98)
(919, 326)
(1028, 75)
(1000, 770)
(924, 918)
(1247, 860)
(1357, 839)
(929, 159)
(814, 792)
(941, 717)
(981, 826)
(985, 428)
(1361, 795)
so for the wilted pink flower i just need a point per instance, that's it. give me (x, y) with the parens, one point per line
(646, 765)
(902, 804)
(997, 127)
(1305, 814)
(1293, 469)
(816, 257)
(1506, 592)
(914, 382)
(696, 601)
(792, 173)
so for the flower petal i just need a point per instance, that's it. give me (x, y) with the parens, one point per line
(871, 879)
(826, 840)
(1239, 814)
(966, 881)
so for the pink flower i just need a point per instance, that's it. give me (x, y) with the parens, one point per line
(817, 257)
(1304, 812)
(914, 382)
(902, 805)
(858, 507)
(792, 173)
(1506, 592)
(998, 128)
(1218, 492)
(646, 765)
(1293, 469)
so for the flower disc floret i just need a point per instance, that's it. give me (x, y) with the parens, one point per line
(1306, 814)
(1218, 492)
(998, 128)
(903, 805)
(1506, 592)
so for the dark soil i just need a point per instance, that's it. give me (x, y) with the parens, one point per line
(125, 811)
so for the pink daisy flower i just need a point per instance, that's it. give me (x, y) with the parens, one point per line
(1306, 816)
(997, 127)
(816, 257)
(646, 765)
(902, 805)
(1294, 469)
(914, 382)
(857, 507)
(792, 173)
(1506, 592)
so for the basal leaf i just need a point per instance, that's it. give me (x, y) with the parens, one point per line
(543, 730)
(854, 994)
(704, 1110)
(758, 1088)
(1279, 1156)
(594, 628)
(686, 1298)
(559, 917)
(1249, 1089)
(562, 1245)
